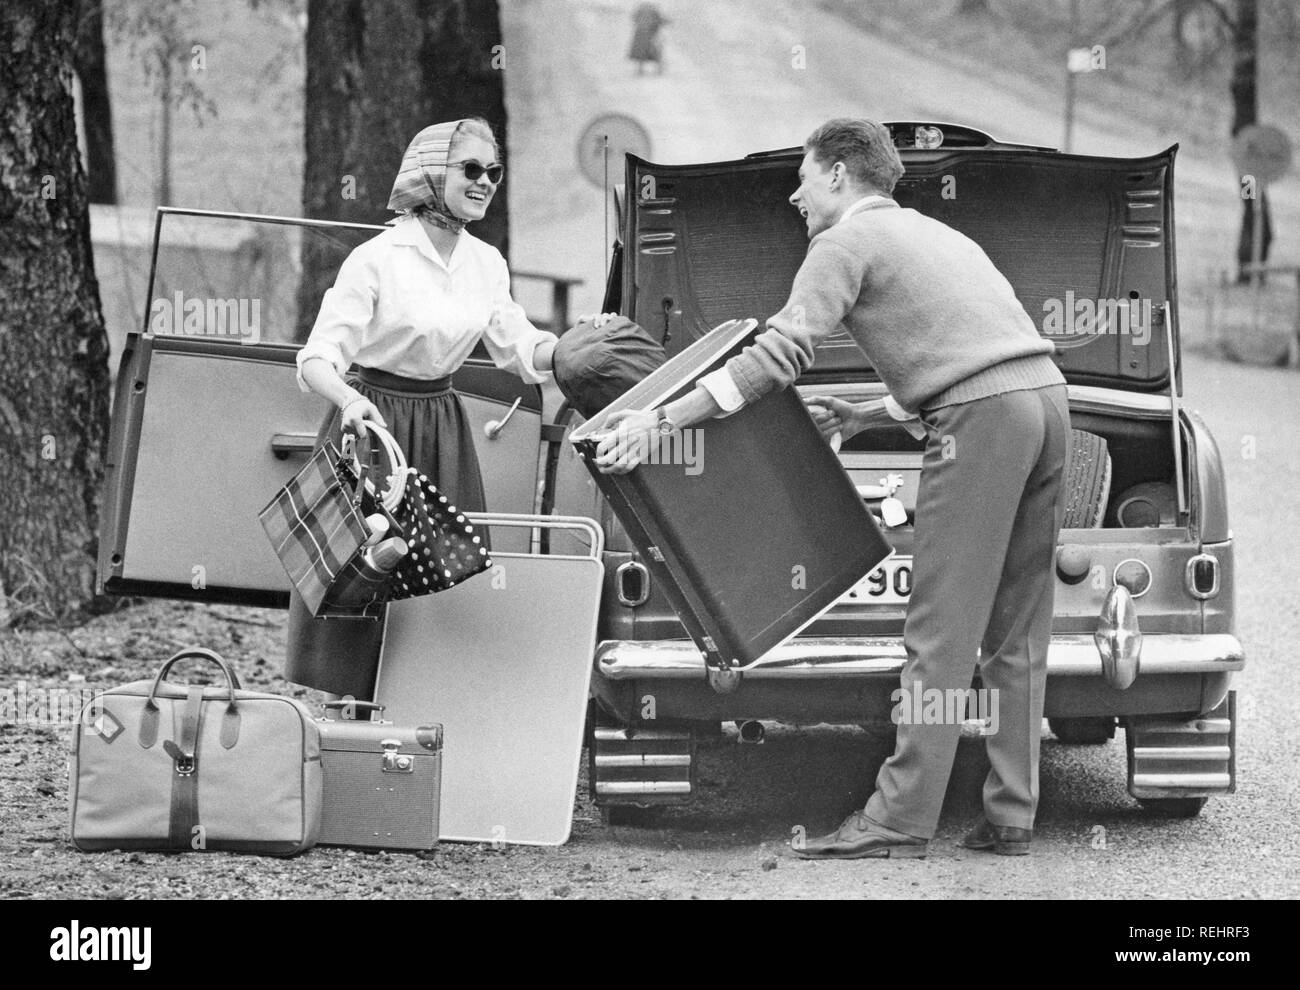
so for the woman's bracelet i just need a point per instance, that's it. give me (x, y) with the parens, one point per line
(357, 397)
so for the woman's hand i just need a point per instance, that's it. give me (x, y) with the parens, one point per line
(833, 416)
(356, 412)
(598, 320)
(627, 440)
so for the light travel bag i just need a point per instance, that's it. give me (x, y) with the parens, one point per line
(164, 766)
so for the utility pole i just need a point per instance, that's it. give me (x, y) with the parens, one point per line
(1070, 73)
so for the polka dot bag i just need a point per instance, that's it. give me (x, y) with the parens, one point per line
(445, 547)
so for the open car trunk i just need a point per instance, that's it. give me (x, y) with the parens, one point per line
(712, 242)
(705, 243)
(1087, 244)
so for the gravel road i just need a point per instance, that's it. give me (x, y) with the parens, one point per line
(1091, 841)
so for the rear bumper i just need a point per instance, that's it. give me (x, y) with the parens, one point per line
(1070, 655)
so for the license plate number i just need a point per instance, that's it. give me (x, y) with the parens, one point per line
(888, 584)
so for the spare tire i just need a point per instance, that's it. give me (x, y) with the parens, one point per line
(1087, 481)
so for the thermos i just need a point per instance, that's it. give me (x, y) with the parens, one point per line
(373, 568)
(384, 557)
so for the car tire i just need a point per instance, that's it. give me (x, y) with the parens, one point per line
(1083, 731)
(1087, 483)
(1182, 807)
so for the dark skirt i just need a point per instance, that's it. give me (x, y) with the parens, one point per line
(429, 423)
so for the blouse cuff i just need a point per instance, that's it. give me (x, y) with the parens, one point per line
(322, 352)
(528, 370)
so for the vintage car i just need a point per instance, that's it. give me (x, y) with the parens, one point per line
(208, 422)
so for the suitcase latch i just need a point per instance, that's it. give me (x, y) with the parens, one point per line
(395, 762)
(184, 762)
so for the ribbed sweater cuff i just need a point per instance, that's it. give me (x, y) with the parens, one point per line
(1018, 374)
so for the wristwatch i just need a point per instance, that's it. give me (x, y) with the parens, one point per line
(666, 426)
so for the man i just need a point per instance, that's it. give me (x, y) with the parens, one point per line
(948, 338)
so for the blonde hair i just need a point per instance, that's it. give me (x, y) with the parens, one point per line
(479, 128)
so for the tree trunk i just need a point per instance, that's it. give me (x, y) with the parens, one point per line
(164, 187)
(96, 111)
(1245, 70)
(376, 75)
(1183, 59)
(1245, 111)
(53, 347)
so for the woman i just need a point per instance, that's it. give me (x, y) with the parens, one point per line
(407, 309)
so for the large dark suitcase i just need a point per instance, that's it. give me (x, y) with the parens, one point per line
(381, 783)
(757, 538)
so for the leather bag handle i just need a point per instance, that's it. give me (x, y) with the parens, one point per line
(229, 722)
(369, 463)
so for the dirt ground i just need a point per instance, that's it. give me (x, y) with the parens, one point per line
(48, 672)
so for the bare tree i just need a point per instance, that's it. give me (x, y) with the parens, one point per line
(376, 75)
(158, 32)
(53, 347)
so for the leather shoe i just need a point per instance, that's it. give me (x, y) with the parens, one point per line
(861, 838)
(1005, 840)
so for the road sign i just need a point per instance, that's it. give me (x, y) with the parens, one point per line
(625, 135)
(1263, 151)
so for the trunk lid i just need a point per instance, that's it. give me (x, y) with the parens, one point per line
(1087, 243)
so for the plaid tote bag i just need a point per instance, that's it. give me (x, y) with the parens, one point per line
(316, 524)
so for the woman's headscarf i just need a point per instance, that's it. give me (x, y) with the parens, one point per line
(422, 180)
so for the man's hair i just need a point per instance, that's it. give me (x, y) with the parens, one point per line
(865, 148)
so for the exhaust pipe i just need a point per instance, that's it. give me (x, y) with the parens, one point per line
(751, 731)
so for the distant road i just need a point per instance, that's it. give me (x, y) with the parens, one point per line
(731, 87)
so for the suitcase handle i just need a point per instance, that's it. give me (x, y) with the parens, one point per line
(368, 709)
(229, 722)
(232, 679)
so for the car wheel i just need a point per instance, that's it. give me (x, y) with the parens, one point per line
(1183, 807)
(1083, 731)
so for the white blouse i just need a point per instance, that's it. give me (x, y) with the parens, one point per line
(398, 307)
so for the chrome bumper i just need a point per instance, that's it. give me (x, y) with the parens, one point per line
(829, 657)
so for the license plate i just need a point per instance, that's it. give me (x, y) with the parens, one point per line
(888, 584)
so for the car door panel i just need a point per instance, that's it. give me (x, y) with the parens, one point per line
(193, 459)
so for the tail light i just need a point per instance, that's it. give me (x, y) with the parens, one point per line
(633, 583)
(1133, 575)
(1203, 576)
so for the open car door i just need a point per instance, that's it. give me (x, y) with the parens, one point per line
(209, 422)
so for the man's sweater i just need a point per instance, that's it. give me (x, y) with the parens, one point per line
(939, 323)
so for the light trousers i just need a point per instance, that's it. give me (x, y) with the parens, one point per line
(988, 513)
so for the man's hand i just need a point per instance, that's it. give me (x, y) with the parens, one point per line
(834, 416)
(599, 320)
(627, 439)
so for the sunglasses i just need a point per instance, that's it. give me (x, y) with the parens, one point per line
(474, 171)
